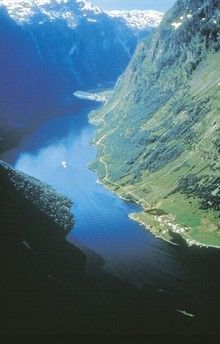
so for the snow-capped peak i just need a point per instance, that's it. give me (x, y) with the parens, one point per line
(138, 19)
(22, 11)
(87, 6)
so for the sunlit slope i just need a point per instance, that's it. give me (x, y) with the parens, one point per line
(158, 137)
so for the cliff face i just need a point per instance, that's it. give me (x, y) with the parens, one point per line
(158, 136)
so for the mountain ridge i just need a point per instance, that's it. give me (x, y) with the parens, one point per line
(138, 19)
(23, 11)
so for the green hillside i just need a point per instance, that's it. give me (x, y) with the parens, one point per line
(158, 137)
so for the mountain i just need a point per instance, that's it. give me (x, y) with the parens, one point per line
(158, 136)
(140, 22)
(137, 19)
(49, 49)
(66, 45)
(71, 36)
(24, 11)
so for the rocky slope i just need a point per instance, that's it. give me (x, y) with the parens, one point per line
(158, 137)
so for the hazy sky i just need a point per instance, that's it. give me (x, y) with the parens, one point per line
(160, 5)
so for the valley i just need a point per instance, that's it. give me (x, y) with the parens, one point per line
(109, 168)
(120, 256)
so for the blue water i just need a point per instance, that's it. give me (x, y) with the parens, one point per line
(102, 224)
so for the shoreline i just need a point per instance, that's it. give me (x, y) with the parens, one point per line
(152, 231)
(146, 227)
(171, 227)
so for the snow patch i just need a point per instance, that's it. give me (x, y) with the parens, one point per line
(87, 6)
(91, 20)
(176, 25)
(64, 164)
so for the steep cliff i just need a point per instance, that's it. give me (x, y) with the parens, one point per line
(158, 137)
